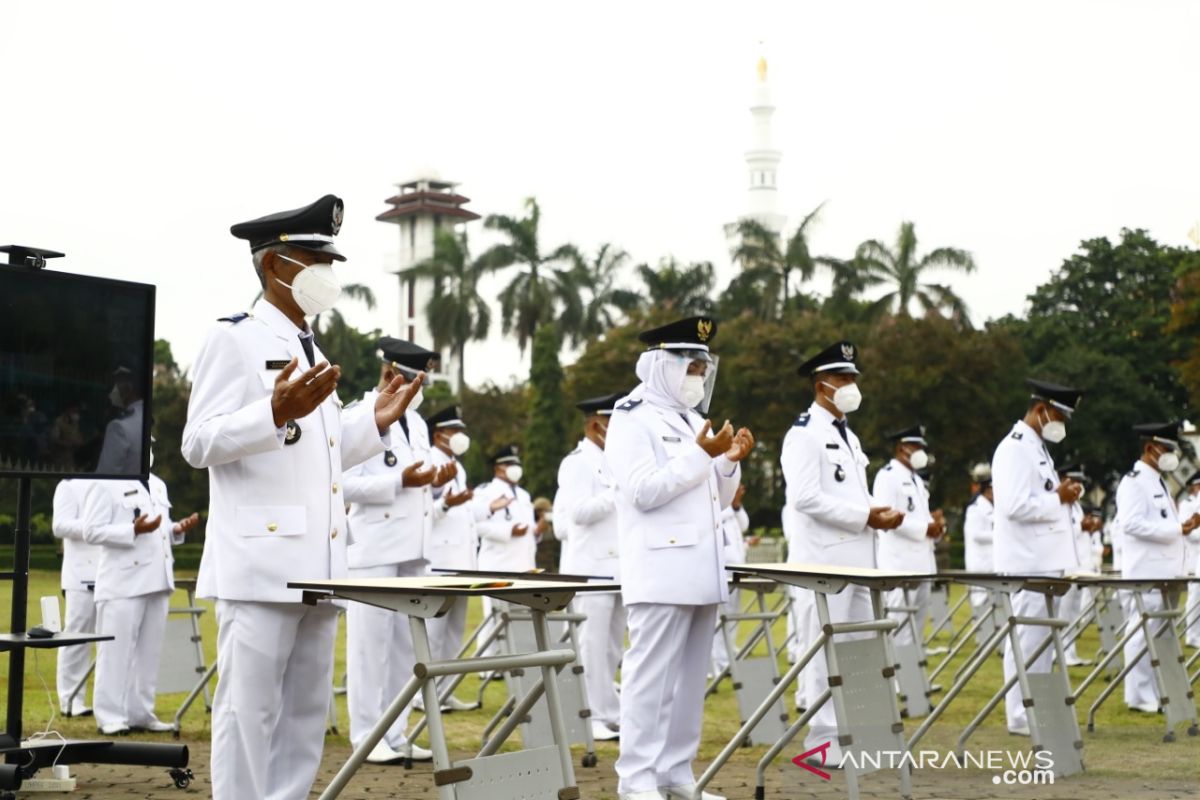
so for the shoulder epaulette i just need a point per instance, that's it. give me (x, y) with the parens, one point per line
(1017, 435)
(1131, 474)
(801, 421)
(628, 405)
(235, 318)
(888, 468)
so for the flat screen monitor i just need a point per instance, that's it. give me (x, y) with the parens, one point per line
(76, 368)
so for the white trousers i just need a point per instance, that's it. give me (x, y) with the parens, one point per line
(1069, 607)
(1192, 635)
(720, 653)
(918, 597)
(1139, 683)
(275, 662)
(852, 604)
(802, 608)
(73, 662)
(1025, 604)
(127, 667)
(662, 694)
(379, 658)
(601, 642)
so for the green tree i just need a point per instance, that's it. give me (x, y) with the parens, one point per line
(540, 291)
(546, 434)
(761, 252)
(495, 416)
(676, 288)
(899, 267)
(456, 312)
(163, 358)
(600, 278)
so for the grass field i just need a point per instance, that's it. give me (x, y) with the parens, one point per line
(1125, 745)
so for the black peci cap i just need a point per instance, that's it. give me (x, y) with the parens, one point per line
(914, 434)
(693, 333)
(840, 358)
(309, 228)
(448, 417)
(403, 353)
(1162, 432)
(602, 405)
(1064, 398)
(509, 454)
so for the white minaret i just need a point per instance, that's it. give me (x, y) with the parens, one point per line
(424, 205)
(762, 160)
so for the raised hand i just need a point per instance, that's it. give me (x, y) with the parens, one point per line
(450, 499)
(393, 401)
(1069, 491)
(144, 525)
(717, 444)
(299, 398)
(737, 496)
(184, 525)
(1190, 524)
(937, 528)
(743, 443)
(883, 518)
(500, 502)
(413, 476)
(445, 474)
(520, 530)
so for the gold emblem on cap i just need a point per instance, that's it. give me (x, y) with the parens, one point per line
(283, 237)
(337, 218)
(848, 352)
(704, 329)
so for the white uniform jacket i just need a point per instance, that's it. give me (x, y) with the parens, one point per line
(131, 564)
(827, 499)
(80, 558)
(453, 541)
(1033, 531)
(734, 524)
(585, 513)
(669, 499)
(390, 524)
(906, 548)
(1154, 541)
(276, 509)
(977, 535)
(1187, 507)
(498, 549)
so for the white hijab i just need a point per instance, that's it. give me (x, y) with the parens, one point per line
(662, 373)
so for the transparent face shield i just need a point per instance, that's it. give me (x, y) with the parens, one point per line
(710, 375)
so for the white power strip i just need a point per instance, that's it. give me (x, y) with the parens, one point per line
(48, 785)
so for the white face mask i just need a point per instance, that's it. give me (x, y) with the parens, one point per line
(691, 392)
(846, 399)
(459, 443)
(417, 399)
(315, 288)
(918, 460)
(1168, 462)
(1054, 430)
(513, 473)
(114, 397)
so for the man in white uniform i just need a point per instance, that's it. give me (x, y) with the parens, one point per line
(673, 478)
(275, 441)
(391, 507)
(1033, 531)
(1189, 505)
(734, 524)
(1071, 604)
(78, 569)
(1154, 544)
(508, 532)
(977, 534)
(909, 546)
(585, 518)
(453, 541)
(130, 524)
(830, 516)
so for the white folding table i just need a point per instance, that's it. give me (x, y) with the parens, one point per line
(537, 773)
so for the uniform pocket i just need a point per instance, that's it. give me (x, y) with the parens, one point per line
(271, 521)
(664, 536)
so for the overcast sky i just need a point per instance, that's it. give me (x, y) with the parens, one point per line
(135, 133)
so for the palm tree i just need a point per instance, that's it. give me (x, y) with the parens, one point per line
(599, 277)
(539, 292)
(456, 312)
(900, 267)
(762, 253)
(684, 290)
